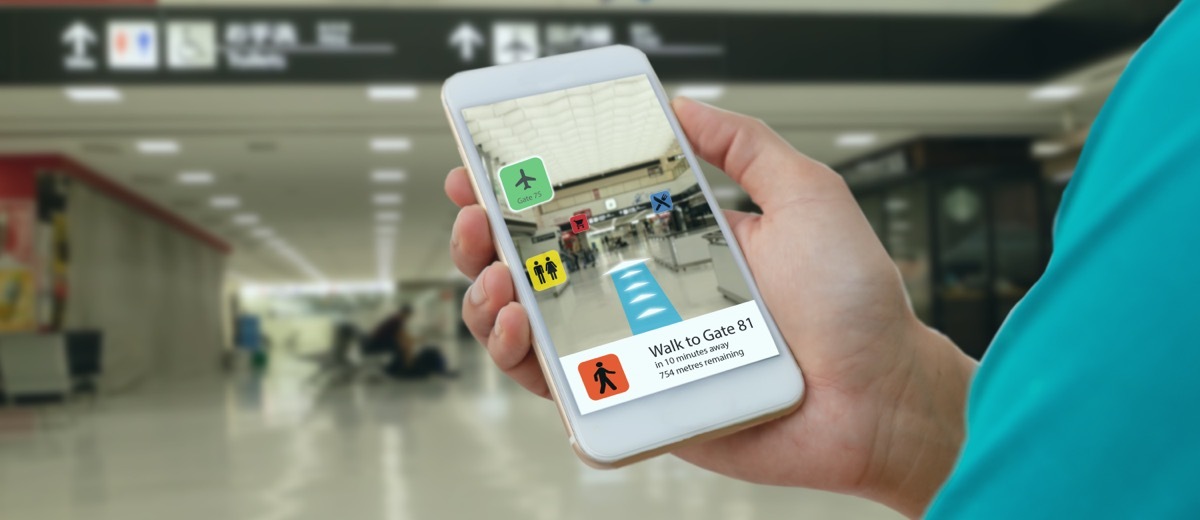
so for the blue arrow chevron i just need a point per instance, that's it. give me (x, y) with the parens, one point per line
(645, 304)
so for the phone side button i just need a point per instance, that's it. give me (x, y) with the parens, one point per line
(500, 253)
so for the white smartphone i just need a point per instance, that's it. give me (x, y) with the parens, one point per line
(645, 318)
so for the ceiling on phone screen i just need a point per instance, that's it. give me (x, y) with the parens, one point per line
(578, 132)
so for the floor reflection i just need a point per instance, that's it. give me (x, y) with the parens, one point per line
(286, 446)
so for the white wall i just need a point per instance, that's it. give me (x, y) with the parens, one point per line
(154, 291)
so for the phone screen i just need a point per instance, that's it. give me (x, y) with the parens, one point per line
(633, 277)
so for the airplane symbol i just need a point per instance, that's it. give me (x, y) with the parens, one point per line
(529, 173)
(524, 180)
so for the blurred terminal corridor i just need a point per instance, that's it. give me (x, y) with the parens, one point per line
(214, 217)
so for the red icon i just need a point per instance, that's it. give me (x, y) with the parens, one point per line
(603, 377)
(579, 223)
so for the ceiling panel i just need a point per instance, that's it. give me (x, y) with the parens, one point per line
(577, 131)
(299, 156)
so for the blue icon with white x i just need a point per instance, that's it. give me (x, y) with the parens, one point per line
(661, 202)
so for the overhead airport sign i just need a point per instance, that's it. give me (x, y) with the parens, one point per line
(326, 45)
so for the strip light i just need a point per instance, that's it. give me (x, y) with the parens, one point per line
(392, 92)
(1056, 92)
(157, 147)
(856, 139)
(196, 177)
(93, 94)
(390, 144)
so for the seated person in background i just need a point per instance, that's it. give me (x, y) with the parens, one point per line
(407, 359)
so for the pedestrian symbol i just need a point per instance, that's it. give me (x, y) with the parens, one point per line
(603, 377)
(526, 183)
(661, 202)
(545, 270)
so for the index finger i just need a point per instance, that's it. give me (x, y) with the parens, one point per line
(773, 173)
(458, 187)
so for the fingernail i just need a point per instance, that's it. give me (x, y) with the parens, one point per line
(498, 330)
(478, 293)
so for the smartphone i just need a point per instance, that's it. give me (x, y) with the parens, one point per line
(645, 318)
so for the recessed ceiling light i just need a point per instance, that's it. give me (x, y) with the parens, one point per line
(225, 202)
(1056, 92)
(388, 216)
(856, 139)
(387, 199)
(245, 219)
(93, 94)
(389, 175)
(701, 92)
(196, 177)
(390, 144)
(157, 146)
(392, 92)
(1045, 149)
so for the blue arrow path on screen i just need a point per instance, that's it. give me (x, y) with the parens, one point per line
(645, 303)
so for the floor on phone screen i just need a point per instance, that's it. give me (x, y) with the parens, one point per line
(282, 447)
(588, 314)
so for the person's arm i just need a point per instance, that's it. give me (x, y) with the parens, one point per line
(883, 414)
(1086, 404)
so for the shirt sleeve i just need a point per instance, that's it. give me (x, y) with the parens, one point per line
(1087, 405)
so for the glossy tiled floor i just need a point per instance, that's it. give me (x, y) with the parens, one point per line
(282, 447)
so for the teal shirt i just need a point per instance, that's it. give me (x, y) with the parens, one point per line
(1087, 405)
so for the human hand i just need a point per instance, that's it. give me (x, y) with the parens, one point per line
(883, 412)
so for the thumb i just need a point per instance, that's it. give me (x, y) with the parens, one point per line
(753, 155)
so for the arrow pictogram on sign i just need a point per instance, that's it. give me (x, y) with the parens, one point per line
(466, 37)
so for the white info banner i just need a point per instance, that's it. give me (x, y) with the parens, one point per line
(664, 358)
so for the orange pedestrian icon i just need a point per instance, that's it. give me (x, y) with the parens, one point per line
(603, 377)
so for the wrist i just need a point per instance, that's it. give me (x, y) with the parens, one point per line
(922, 421)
